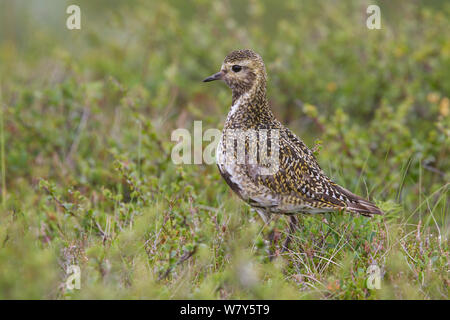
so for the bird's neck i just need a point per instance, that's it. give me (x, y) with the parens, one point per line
(250, 108)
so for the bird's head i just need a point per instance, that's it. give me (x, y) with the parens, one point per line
(241, 70)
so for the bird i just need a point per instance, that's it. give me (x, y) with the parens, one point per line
(297, 185)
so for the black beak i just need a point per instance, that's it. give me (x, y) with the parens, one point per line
(216, 76)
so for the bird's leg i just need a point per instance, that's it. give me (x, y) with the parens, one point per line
(273, 237)
(291, 230)
(265, 215)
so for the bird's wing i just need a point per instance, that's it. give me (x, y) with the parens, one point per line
(301, 180)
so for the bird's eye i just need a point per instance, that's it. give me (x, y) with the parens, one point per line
(236, 68)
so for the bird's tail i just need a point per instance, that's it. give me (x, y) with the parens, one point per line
(360, 205)
(365, 208)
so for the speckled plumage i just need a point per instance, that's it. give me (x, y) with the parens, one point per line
(300, 185)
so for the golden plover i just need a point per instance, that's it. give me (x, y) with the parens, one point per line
(298, 185)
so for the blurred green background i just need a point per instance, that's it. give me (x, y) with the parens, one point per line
(87, 177)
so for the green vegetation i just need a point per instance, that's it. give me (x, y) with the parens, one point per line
(86, 170)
